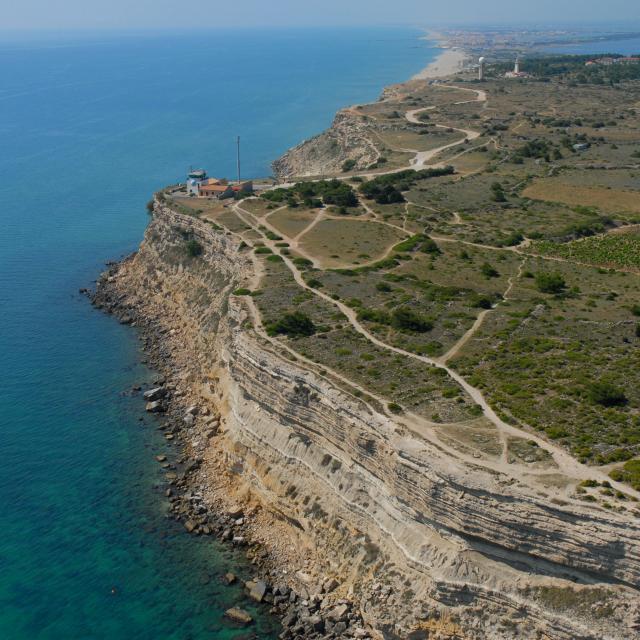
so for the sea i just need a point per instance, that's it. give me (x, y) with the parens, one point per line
(91, 124)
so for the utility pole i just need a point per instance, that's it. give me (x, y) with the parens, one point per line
(238, 143)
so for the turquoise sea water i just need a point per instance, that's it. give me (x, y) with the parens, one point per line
(89, 128)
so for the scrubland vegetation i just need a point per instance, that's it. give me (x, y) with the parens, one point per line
(518, 225)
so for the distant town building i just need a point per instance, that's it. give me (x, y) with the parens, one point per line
(608, 61)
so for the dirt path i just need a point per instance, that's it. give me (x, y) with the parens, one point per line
(457, 347)
(566, 463)
(564, 460)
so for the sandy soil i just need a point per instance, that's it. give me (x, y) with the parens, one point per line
(447, 63)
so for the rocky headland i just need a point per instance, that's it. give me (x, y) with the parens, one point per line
(358, 527)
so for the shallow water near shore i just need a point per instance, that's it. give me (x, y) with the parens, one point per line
(89, 128)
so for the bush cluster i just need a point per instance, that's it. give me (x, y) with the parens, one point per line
(292, 324)
(402, 318)
(387, 189)
(315, 194)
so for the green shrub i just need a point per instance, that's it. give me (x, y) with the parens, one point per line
(242, 292)
(394, 407)
(193, 248)
(374, 315)
(263, 250)
(388, 188)
(430, 246)
(348, 165)
(550, 282)
(407, 319)
(606, 394)
(292, 324)
(629, 473)
(489, 271)
(497, 193)
(482, 302)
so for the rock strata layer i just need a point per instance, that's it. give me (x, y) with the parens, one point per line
(355, 510)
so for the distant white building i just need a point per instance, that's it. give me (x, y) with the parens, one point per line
(481, 68)
(194, 179)
(516, 73)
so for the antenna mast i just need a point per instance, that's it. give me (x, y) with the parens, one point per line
(238, 143)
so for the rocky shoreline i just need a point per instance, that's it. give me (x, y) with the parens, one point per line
(308, 606)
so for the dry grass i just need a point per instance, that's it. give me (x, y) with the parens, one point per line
(609, 200)
(290, 222)
(338, 242)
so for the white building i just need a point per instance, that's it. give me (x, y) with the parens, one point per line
(516, 73)
(195, 178)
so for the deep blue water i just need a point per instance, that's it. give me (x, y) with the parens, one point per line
(89, 128)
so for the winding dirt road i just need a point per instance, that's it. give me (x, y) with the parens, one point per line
(566, 463)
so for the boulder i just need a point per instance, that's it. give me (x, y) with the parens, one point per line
(155, 394)
(190, 525)
(338, 613)
(316, 623)
(289, 620)
(239, 615)
(155, 407)
(235, 511)
(189, 419)
(330, 585)
(229, 578)
(339, 629)
(258, 590)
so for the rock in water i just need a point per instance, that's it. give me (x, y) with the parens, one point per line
(155, 407)
(239, 615)
(258, 590)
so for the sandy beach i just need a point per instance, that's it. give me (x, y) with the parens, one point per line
(448, 62)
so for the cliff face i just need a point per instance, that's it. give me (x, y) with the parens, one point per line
(413, 534)
(348, 138)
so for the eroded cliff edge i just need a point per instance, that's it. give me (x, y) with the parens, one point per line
(421, 542)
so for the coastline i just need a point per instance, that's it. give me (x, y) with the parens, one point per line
(224, 512)
(199, 490)
(449, 62)
(293, 583)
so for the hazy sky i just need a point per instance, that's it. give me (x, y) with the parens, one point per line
(72, 14)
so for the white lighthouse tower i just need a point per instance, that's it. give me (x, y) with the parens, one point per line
(516, 68)
(481, 68)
